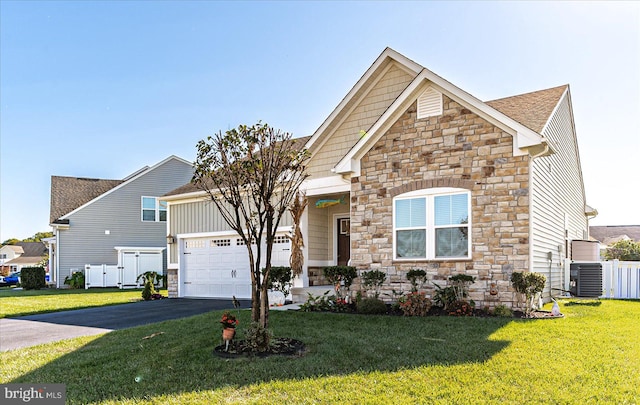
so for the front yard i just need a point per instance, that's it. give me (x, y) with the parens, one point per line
(19, 302)
(590, 356)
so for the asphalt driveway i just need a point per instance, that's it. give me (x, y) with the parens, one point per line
(32, 330)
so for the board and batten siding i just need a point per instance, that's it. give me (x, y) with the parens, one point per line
(119, 212)
(558, 198)
(321, 233)
(200, 216)
(367, 111)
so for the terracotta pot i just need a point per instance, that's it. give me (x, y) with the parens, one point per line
(228, 333)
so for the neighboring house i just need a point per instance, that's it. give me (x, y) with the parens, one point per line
(610, 234)
(113, 222)
(22, 254)
(607, 235)
(422, 175)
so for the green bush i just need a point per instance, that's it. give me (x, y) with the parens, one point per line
(625, 250)
(258, 339)
(151, 279)
(528, 284)
(503, 311)
(32, 278)
(318, 303)
(444, 296)
(75, 281)
(417, 278)
(280, 279)
(371, 306)
(372, 281)
(340, 275)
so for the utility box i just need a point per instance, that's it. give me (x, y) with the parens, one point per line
(585, 250)
(585, 279)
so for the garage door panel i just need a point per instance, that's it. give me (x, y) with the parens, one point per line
(219, 267)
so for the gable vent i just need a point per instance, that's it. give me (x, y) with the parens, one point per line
(429, 103)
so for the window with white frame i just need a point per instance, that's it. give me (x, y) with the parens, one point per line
(432, 224)
(154, 210)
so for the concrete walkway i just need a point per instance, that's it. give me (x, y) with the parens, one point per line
(32, 330)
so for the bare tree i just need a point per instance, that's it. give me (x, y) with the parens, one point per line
(252, 175)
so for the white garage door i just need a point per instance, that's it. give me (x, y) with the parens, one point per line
(219, 267)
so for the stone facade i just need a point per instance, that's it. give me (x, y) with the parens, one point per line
(172, 283)
(456, 149)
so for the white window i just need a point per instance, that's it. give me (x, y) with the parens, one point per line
(154, 210)
(432, 224)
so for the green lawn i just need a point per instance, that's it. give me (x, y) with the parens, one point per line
(590, 356)
(21, 302)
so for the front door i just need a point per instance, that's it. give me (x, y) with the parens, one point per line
(344, 241)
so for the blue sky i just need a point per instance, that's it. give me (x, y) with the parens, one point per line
(102, 88)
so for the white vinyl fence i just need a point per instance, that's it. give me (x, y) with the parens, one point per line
(620, 279)
(103, 275)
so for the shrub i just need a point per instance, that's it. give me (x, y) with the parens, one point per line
(461, 283)
(340, 276)
(371, 306)
(417, 278)
(257, 338)
(528, 284)
(372, 281)
(457, 291)
(415, 304)
(317, 303)
(151, 278)
(280, 279)
(625, 250)
(76, 280)
(461, 308)
(503, 311)
(32, 278)
(444, 296)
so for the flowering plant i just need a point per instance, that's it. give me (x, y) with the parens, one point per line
(228, 320)
(415, 304)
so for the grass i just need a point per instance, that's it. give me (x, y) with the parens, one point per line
(29, 302)
(590, 356)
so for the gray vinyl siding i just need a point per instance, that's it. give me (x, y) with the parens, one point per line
(558, 191)
(119, 212)
(201, 217)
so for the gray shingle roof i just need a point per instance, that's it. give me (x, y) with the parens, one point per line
(191, 188)
(32, 249)
(69, 193)
(605, 234)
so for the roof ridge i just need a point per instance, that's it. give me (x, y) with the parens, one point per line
(528, 93)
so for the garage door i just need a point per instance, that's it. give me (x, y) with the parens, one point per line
(219, 267)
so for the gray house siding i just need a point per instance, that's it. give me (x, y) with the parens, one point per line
(118, 212)
(558, 199)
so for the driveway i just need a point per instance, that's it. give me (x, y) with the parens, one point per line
(32, 330)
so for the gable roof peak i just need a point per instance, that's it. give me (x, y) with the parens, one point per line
(533, 109)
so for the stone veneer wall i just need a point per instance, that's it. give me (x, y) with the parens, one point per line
(172, 283)
(456, 149)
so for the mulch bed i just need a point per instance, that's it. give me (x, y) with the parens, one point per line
(279, 347)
